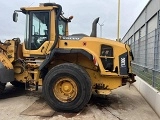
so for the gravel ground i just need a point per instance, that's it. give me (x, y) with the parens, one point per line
(124, 103)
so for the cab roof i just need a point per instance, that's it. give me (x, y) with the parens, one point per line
(39, 8)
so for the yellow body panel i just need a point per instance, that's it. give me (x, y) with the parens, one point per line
(118, 48)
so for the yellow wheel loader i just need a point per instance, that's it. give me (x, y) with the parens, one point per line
(70, 68)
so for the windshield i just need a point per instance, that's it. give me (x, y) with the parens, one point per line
(62, 26)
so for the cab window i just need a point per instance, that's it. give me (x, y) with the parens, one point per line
(39, 29)
(62, 26)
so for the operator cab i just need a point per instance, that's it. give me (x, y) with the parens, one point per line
(41, 27)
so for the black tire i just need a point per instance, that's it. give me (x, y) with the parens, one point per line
(81, 80)
(2, 87)
(18, 84)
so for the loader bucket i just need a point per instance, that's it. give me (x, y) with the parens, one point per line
(6, 75)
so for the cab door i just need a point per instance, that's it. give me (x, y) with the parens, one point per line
(38, 33)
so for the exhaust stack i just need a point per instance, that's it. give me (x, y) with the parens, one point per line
(94, 28)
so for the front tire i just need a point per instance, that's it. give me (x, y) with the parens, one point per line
(67, 88)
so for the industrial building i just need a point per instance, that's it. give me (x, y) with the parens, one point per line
(144, 39)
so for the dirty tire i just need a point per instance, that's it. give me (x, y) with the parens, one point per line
(81, 80)
(18, 84)
(2, 87)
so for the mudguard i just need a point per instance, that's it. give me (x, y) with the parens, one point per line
(61, 50)
(6, 75)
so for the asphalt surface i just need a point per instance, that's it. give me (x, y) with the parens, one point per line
(124, 103)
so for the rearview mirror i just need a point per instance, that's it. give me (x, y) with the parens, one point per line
(15, 16)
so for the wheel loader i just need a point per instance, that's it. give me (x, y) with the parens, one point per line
(70, 68)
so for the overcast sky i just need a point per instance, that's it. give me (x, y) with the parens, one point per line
(84, 12)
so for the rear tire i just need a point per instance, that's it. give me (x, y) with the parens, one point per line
(2, 87)
(67, 88)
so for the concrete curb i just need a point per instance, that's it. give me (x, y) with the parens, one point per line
(151, 95)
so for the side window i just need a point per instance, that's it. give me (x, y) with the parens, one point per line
(39, 29)
(62, 27)
(107, 57)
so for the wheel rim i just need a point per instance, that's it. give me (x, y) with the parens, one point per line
(65, 90)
